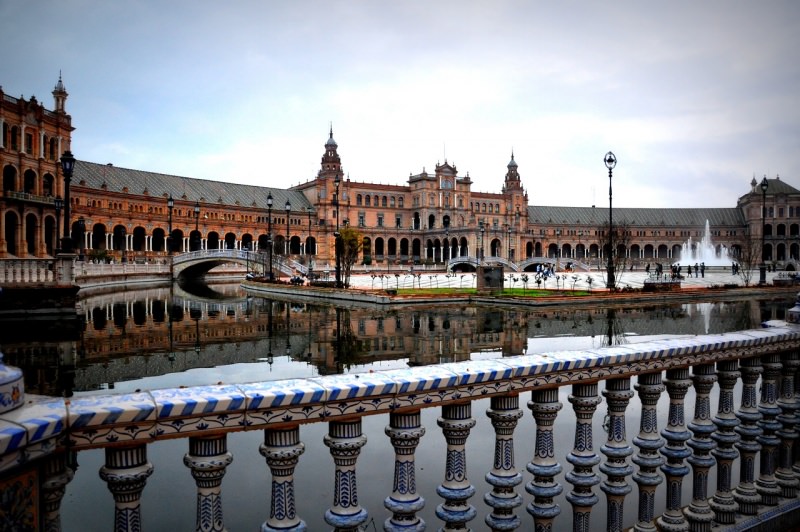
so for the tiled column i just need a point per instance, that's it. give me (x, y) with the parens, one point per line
(404, 430)
(745, 493)
(648, 441)
(57, 474)
(208, 457)
(504, 413)
(282, 449)
(699, 512)
(617, 450)
(345, 441)
(675, 451)
(126, 471)
(786, 477)
(584, 401)
(544, 467)
(766, 485)
(723, 504)
(456, 423)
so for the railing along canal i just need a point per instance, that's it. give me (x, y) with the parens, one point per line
(752, 432)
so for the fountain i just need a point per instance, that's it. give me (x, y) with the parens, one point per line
(704, 252)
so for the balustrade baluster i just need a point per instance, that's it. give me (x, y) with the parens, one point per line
(745, 493)
(766, 485)
(404, 430)
(504, 413)
(675, 451)
(57, 474)
(584, 401)
(648, 441)
(786, 477)
(699, 512)
(796, 448)
(282, 449)
(345, 441)
(456, 423)
(126, 471)
(617, 450)
(723, 504)
(544, 467)
(208, 457)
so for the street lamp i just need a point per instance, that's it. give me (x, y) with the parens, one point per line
(269, 231)
(196, 238)
(170, 205)
(762, 268)
(67, 166)
(59, 204)
(288, 208)
(611, 161)
(336, 235)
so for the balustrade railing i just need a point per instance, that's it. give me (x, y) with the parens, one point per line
(27, 272)
(750, 376)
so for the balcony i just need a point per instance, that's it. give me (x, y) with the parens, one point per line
(689, 467)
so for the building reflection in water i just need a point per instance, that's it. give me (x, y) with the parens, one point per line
(131, 336)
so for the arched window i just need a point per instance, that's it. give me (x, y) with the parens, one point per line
(367, 200)
(358, 199)
(383, 201)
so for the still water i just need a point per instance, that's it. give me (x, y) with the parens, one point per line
(167, 337)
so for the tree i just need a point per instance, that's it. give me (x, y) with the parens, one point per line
(747, 256)
(352, 242)
(621, 241)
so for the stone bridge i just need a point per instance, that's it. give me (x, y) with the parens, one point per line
(197, 263)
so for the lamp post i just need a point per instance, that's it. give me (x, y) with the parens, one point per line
(196, 238)
(170, 205)
(288, 208)
(269, 232)
(337, 237)
(309, 248)
(67, 166)
(59, 204)
(611, 161)
(762, 268)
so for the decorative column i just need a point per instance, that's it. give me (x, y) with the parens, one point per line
(745, 493)
(126, 471)
(584, 401)
(544, 467)
(505, 413)
(699, 512)
(648, 441)
(57, 474)
(723, 504)
(766, 485)
(345, 441)
(617, 450)
(456, 512)
(675, 451)
(282, 449)
(405, 429)
(785, 475)
(207, 459)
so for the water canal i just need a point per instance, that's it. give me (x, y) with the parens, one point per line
(158, 338)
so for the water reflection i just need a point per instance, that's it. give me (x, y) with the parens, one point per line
(165, 337)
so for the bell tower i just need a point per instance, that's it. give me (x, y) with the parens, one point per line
(513, 183)
(331, 164)
(60, 96)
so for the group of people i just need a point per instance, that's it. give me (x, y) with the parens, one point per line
(676, 270)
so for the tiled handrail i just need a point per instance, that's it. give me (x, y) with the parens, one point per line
(205, 414)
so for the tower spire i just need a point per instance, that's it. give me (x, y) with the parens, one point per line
(60, 95)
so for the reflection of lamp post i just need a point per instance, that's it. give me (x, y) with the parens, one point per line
(288, 344)
(67, 166)
(196, 237)
(762, 268)
(337, 237)
(288, 208)
(269, 231)
(170, 205)
(59, 204)
(611, 162)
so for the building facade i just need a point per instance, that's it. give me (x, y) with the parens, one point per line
(125, 214)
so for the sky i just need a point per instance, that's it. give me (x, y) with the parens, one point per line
(694, 98)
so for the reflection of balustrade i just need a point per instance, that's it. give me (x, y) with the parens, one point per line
(763, 429)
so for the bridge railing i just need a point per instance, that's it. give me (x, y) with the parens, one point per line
(28, 272)
(677, 472)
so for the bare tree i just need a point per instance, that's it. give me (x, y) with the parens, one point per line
(352, 243)
(747, 256)
(621, 241)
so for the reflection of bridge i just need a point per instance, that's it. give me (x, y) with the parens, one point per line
(198, 263)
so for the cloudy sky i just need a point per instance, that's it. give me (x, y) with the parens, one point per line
(694, 98)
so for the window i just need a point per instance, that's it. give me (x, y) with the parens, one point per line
(383, 201)
(392, 201)
(400, 202)
(380, 220)
(780, 212)
(358, 199)
(491, 208)
(361, 218)
(367, 200)
(28, 143)
(398, 221)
